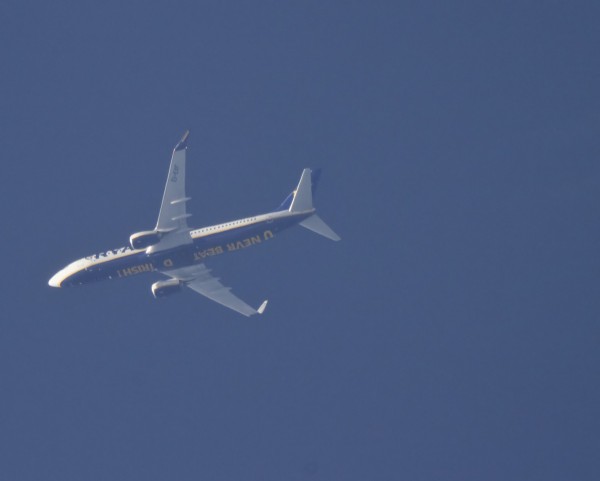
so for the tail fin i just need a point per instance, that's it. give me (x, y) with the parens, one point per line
(303, 194)
(303, 201)
(314, 177)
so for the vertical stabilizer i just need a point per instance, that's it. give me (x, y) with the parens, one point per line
(314, 179)
(303, 195)
(302, 201)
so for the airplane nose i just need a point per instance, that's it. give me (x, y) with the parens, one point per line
(55, 280)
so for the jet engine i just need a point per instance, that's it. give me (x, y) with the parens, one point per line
(141, 240)
(166, 288)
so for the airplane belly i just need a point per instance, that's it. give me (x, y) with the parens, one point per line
(173, 258)
(117, 268)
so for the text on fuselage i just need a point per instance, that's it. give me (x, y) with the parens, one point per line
(131, 271)
(232, 246)
(109, 253)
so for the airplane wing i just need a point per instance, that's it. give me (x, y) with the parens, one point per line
(173, 213)
(198, 278)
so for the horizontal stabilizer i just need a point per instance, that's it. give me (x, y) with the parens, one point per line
(316, 224)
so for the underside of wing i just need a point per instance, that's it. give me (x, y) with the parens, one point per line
(199, 278)
(173, 214)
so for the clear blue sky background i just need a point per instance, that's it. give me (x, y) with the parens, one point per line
(453, 334)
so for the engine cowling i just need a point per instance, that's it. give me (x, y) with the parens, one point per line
(141, 240)
(166, 288)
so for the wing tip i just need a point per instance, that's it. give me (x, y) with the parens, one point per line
(262, 307)
(182, 144)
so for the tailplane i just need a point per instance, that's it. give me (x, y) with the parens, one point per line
(316, 224)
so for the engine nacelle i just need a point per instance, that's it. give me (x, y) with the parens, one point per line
(141, 240)
(166, 288)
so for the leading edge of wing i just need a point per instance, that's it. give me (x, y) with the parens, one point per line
(173, 214)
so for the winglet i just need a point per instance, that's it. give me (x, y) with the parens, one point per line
(182, 144)
(262, 307)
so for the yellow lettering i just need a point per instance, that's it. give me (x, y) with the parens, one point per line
(255, 239)
(267, 234)
(211, 251)
(246, 242)
(231, 247)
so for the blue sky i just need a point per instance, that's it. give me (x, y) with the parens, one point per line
(452, 334)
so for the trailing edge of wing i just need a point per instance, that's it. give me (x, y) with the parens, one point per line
(199, 279)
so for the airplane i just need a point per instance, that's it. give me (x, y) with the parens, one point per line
(179, 252)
